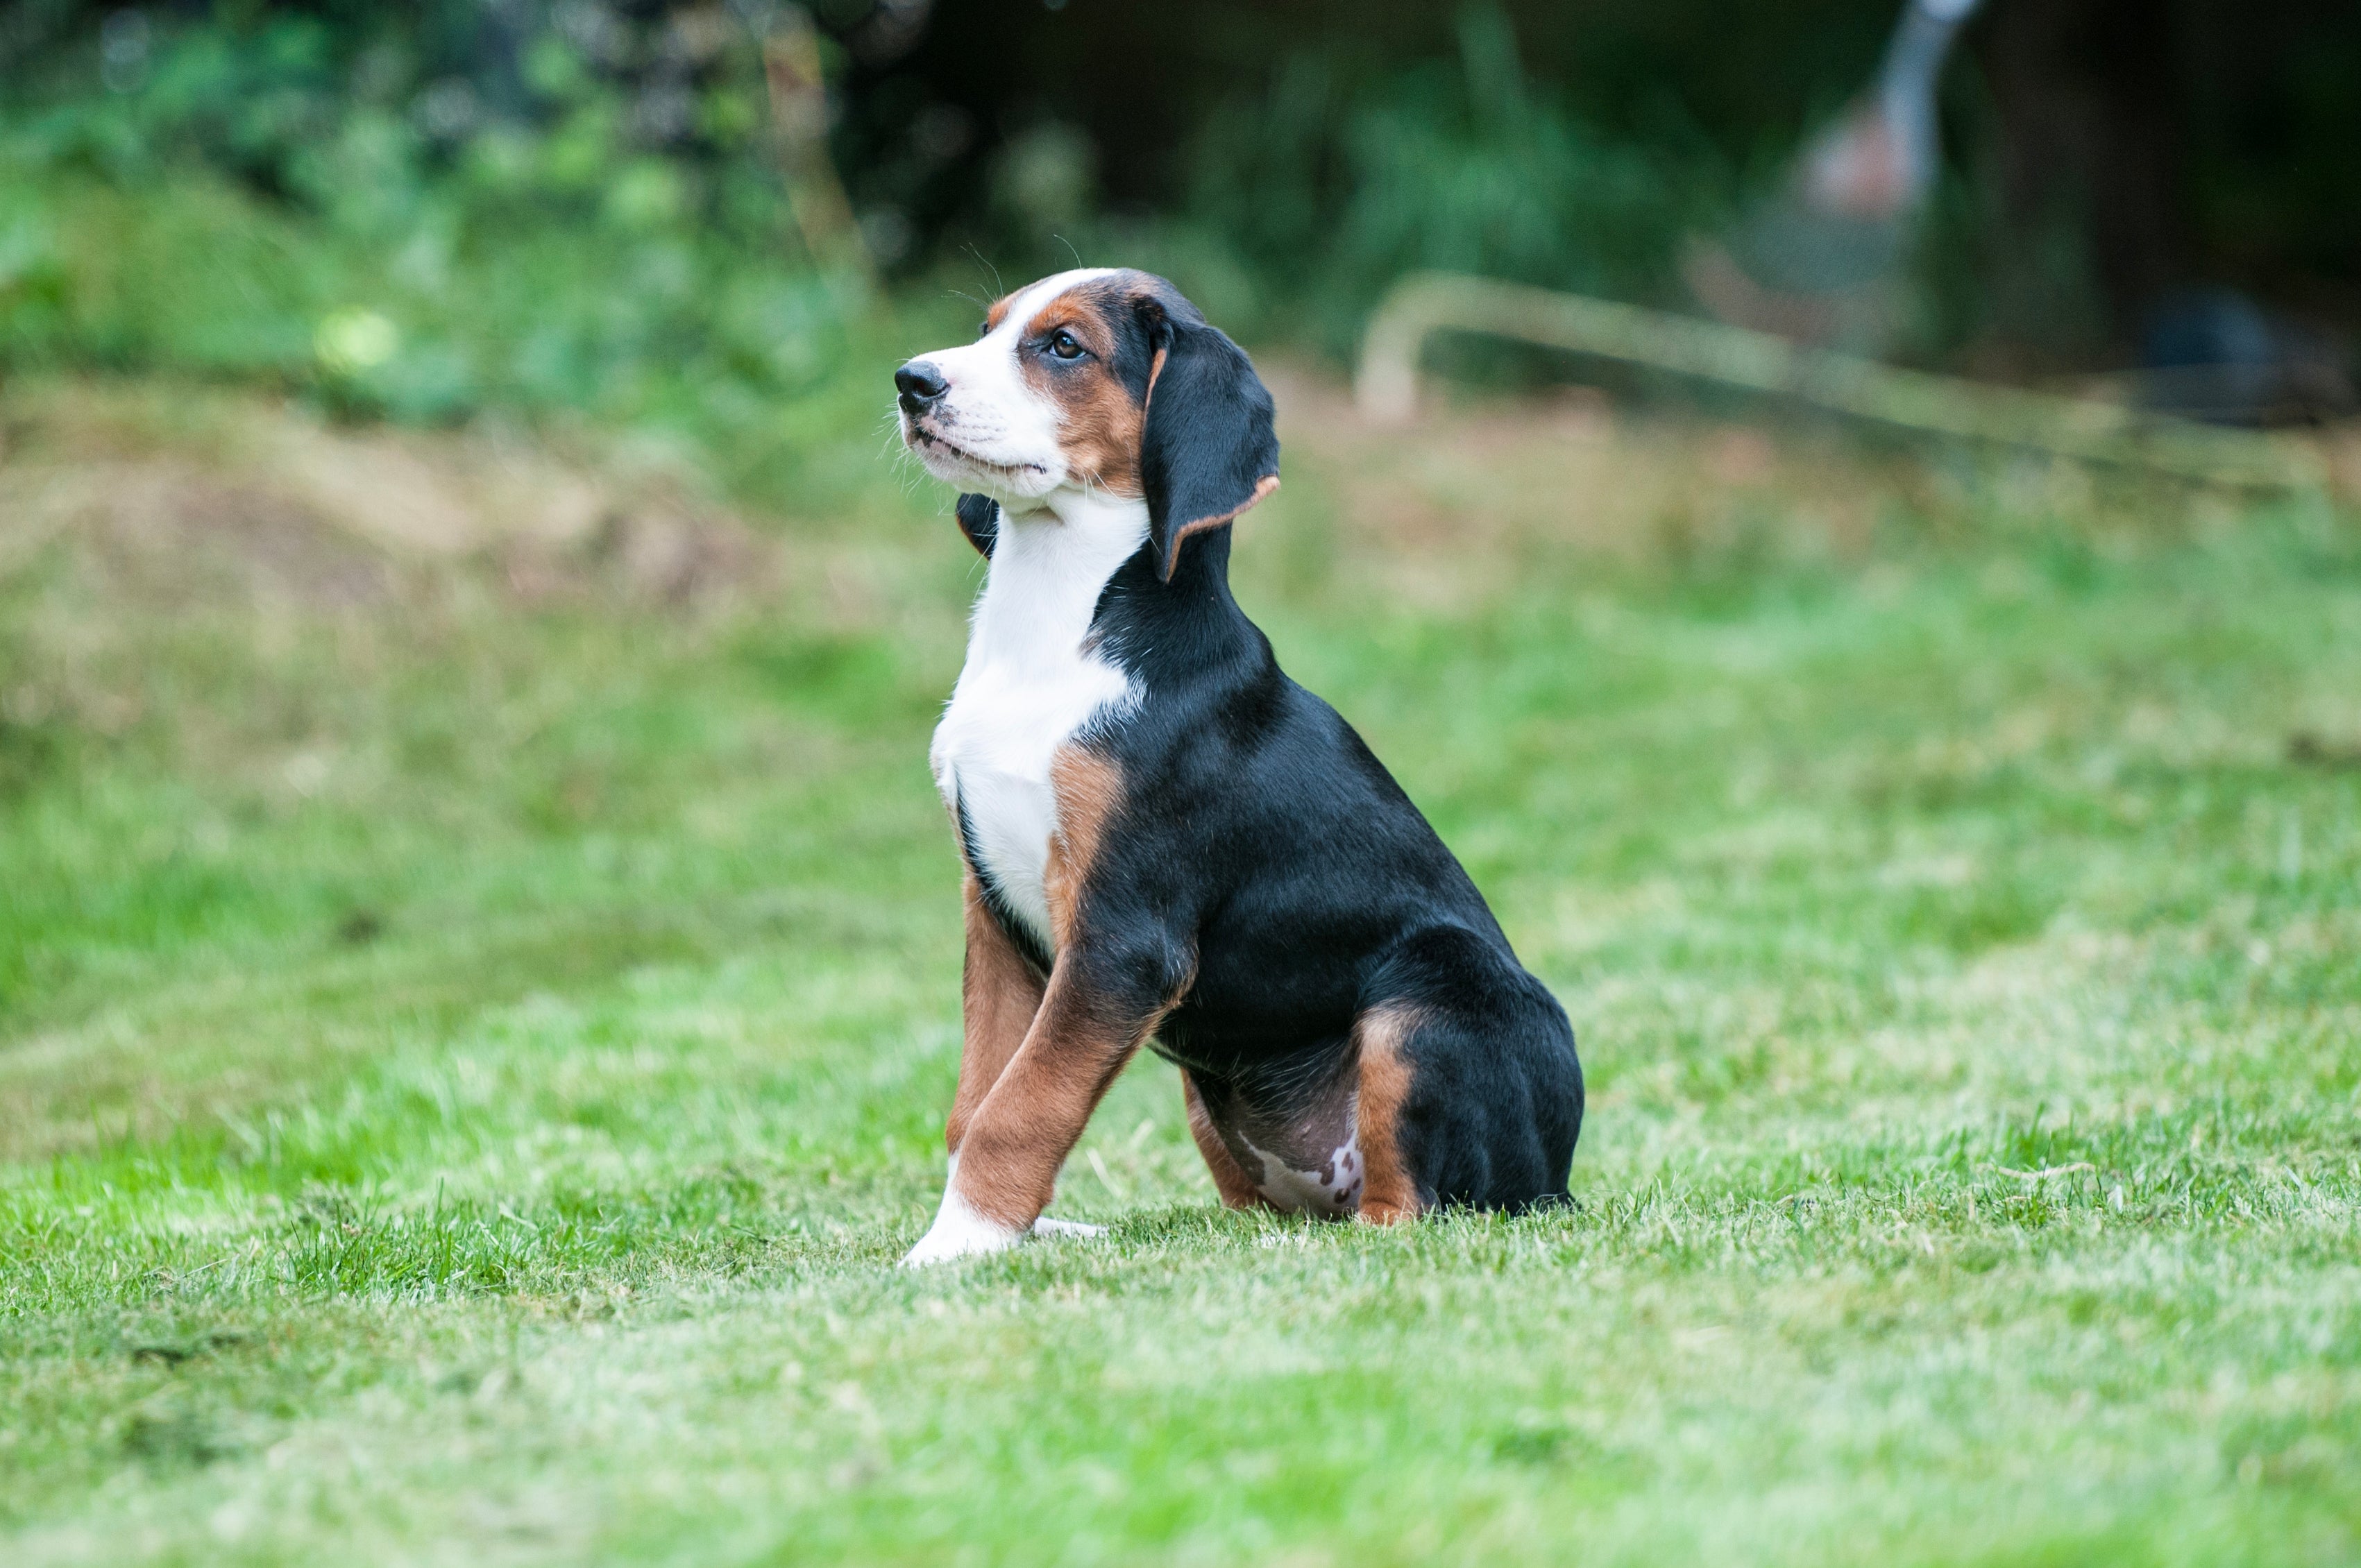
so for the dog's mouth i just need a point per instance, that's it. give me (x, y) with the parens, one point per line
(925, 441)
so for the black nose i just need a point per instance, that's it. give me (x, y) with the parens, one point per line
(919, 384)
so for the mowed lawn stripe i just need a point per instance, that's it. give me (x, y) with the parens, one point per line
(496, 1147)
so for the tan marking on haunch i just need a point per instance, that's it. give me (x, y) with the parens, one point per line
(1263, 487)
(1230, 1179)
(999, 995)
(1389, 1191)
(1031, 1122)
(1099, 425)
(1088, 789)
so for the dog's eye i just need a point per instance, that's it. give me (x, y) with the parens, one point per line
(983, 331)
(1064, 345)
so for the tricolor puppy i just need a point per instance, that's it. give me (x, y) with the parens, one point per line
(1170, 843)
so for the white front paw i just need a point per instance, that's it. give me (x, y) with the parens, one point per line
(960, 1231)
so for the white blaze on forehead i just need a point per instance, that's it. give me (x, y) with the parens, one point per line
(1028, 301)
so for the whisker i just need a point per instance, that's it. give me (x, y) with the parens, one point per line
(997, 288)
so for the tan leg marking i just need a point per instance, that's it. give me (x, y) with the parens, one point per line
(999, 995)
(1035, 1115)
(1389, 1194)
(1230, 1179)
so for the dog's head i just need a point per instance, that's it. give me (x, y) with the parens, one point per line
(1101, 379)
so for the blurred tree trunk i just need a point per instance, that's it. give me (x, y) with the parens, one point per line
(791, 64)
(2090, 100)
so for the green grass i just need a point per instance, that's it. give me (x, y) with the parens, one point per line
(469, 1059)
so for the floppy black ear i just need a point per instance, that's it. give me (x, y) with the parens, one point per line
(979, 519)
(1207, 452)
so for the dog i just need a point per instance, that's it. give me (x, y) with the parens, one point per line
(1170, 843)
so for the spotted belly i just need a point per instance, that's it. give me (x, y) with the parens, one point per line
(1296, 1142)
(1331, 1188)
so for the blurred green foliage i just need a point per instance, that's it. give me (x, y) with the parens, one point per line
(260, 201)
(1330, 188)
(417, 213)
(571, 207)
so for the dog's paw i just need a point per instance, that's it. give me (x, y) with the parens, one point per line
(1046, 1226)
(958, 1231)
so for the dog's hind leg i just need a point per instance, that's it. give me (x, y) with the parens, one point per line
(1230, 1179)
(1470, 1091)
(1390, 1191)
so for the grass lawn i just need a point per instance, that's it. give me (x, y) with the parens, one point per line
(477, 1007)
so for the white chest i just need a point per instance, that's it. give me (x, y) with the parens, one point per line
(1028, 687)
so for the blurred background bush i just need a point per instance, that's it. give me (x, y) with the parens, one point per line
(428, 211)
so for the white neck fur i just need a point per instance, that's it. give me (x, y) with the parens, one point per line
(1028, 685)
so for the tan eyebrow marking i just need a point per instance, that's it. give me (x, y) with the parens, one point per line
(997, 312)
(1075, 311)
(1100, 423)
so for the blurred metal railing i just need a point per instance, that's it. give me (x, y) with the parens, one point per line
(1422, 304)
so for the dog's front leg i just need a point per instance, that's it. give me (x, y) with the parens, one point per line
(1006, 1170)
(999, 996)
